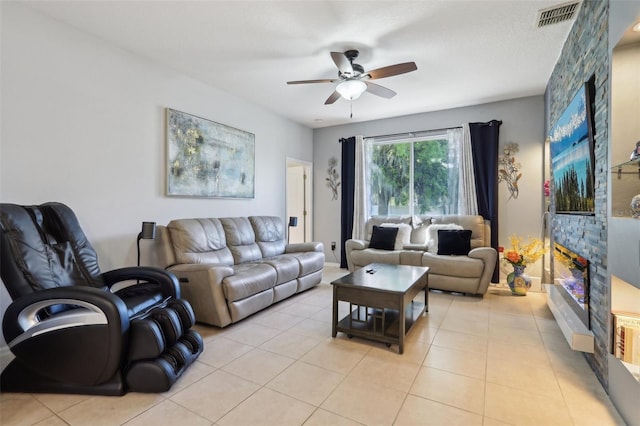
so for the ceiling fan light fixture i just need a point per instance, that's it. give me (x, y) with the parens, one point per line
(351, 89)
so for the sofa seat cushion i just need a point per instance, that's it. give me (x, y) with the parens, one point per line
(287, 268)
(248, 279)
(310, 261)
(369, 255)
(455, 266)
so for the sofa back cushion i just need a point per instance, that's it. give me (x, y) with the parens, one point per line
(241, 239)
(479, 236)
(383, 237)
(403, 236)
(418, 226)
(433, 234)
(199, 241)
(270, 236)
(454, 242)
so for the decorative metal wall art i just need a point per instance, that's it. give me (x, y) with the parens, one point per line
(333, 180)
(208, 159)
(509, 169)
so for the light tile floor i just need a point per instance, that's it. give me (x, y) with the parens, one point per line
(496, 360)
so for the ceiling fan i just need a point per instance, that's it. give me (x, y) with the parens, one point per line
(354, 81)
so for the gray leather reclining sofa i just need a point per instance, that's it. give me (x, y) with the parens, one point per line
(469, 274)
(230, 268)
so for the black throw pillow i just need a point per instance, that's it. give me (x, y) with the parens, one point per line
(454, 241)
(383, 238)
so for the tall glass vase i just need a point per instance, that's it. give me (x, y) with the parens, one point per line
(518, 282)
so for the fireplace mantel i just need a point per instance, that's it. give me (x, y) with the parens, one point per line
(578, 336)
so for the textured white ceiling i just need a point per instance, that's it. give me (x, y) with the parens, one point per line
(467, 52)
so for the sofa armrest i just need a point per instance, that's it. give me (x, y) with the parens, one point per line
(201, 285)
(356, 244)
(302, 247)
(351, 245)
(489, 256)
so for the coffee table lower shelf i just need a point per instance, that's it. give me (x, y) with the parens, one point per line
(379, 324)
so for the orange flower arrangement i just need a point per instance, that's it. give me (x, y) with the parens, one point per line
(523, 254)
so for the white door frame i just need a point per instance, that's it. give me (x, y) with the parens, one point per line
(304, 231)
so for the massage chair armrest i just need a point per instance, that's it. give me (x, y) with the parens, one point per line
(302, 247)
(33, 311)
(146, 276)
(82, 344)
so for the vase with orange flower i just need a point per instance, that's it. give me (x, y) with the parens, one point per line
(519, 256)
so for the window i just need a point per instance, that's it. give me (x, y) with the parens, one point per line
(412, 176)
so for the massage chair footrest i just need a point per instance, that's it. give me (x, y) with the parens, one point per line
(159, 374)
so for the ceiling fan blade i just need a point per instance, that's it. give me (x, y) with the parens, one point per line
(341, 61)
(331, 99)
(378, 90)
(326, 80)
(392, 70)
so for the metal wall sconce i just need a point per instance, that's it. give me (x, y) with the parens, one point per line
(148, 233)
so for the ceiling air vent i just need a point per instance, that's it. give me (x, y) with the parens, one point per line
(556, 14)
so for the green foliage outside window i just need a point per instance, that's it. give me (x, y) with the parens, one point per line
(390, 177)
(431, 176)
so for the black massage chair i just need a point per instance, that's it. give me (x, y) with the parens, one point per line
(74, 329)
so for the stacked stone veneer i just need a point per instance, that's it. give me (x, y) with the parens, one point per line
(585, 53)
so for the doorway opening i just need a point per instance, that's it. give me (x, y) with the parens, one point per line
(299, 200)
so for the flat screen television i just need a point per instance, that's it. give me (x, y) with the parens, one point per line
(572, 154)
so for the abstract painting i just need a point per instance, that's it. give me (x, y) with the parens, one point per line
(572, 156)
(208, 159)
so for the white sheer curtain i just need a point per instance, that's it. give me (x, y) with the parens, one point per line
(360, 198)
(460, 141)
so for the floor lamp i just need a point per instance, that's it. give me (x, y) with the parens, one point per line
(148, 233)
(293, 222)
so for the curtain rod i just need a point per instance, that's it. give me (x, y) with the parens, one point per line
(499, 122)
(408, 134)
(413, 133)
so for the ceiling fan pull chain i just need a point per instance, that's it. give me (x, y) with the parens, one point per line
(351, 106)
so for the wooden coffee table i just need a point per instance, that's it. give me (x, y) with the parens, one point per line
(381, 302)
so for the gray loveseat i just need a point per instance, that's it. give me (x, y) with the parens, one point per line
(230, 268)
(469, 274)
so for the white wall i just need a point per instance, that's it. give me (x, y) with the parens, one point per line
(522, 122)
(625, 101)
(83, 123)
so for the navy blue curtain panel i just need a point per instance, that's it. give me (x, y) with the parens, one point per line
(484, 148)
(348, 186)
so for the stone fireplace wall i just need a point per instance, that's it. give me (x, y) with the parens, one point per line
(585, 53)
